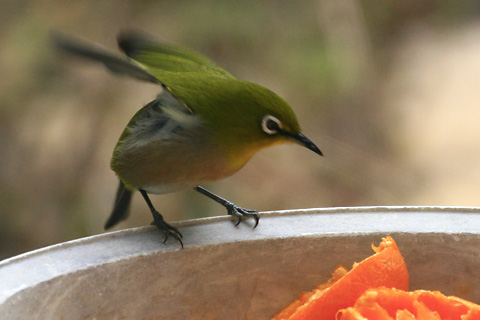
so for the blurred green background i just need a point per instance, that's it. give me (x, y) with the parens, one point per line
(389, 91)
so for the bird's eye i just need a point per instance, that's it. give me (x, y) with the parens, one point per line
(271, 125)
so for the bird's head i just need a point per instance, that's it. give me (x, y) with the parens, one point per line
(247, 117)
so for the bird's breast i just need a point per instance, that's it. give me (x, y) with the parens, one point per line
(164, 166)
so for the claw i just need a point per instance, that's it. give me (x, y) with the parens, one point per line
(257, 219)
(240, 213)
(169, 230)
(160, 223)
(232, 208)
(239, 220)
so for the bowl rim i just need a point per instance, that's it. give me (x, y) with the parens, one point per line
(28, 269)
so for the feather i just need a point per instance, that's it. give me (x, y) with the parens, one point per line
(165, 118)
(154, 54)
(112, 62)
(121, 208)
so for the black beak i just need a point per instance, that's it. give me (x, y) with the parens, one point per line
(301, 139)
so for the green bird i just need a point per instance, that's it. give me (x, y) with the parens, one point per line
(204, 126)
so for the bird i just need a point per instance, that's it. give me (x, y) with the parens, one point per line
(203, 126)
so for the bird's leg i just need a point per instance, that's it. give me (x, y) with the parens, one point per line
(231, 207)
(161, 224)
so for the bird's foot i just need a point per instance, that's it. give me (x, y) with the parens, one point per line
(166, 228)
(231, 207)
(241, 213)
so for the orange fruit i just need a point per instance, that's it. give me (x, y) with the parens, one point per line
(392, 304)
(385, 268)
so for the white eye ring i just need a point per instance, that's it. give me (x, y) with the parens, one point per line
(271, 125)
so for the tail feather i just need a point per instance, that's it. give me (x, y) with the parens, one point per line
(121, 208)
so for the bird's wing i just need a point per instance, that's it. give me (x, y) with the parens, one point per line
(165, 118)
(114, 63)
(118, 64)
(175, 68)
(158, 56)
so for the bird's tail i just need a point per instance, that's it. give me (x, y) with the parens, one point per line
(121, 208)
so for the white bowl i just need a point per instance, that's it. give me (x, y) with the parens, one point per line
(228, 272)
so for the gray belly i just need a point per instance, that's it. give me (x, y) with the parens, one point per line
(165, 167)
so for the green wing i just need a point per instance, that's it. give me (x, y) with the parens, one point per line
(112, 62)
(150, 59)
(162, 59)
(185, 74)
